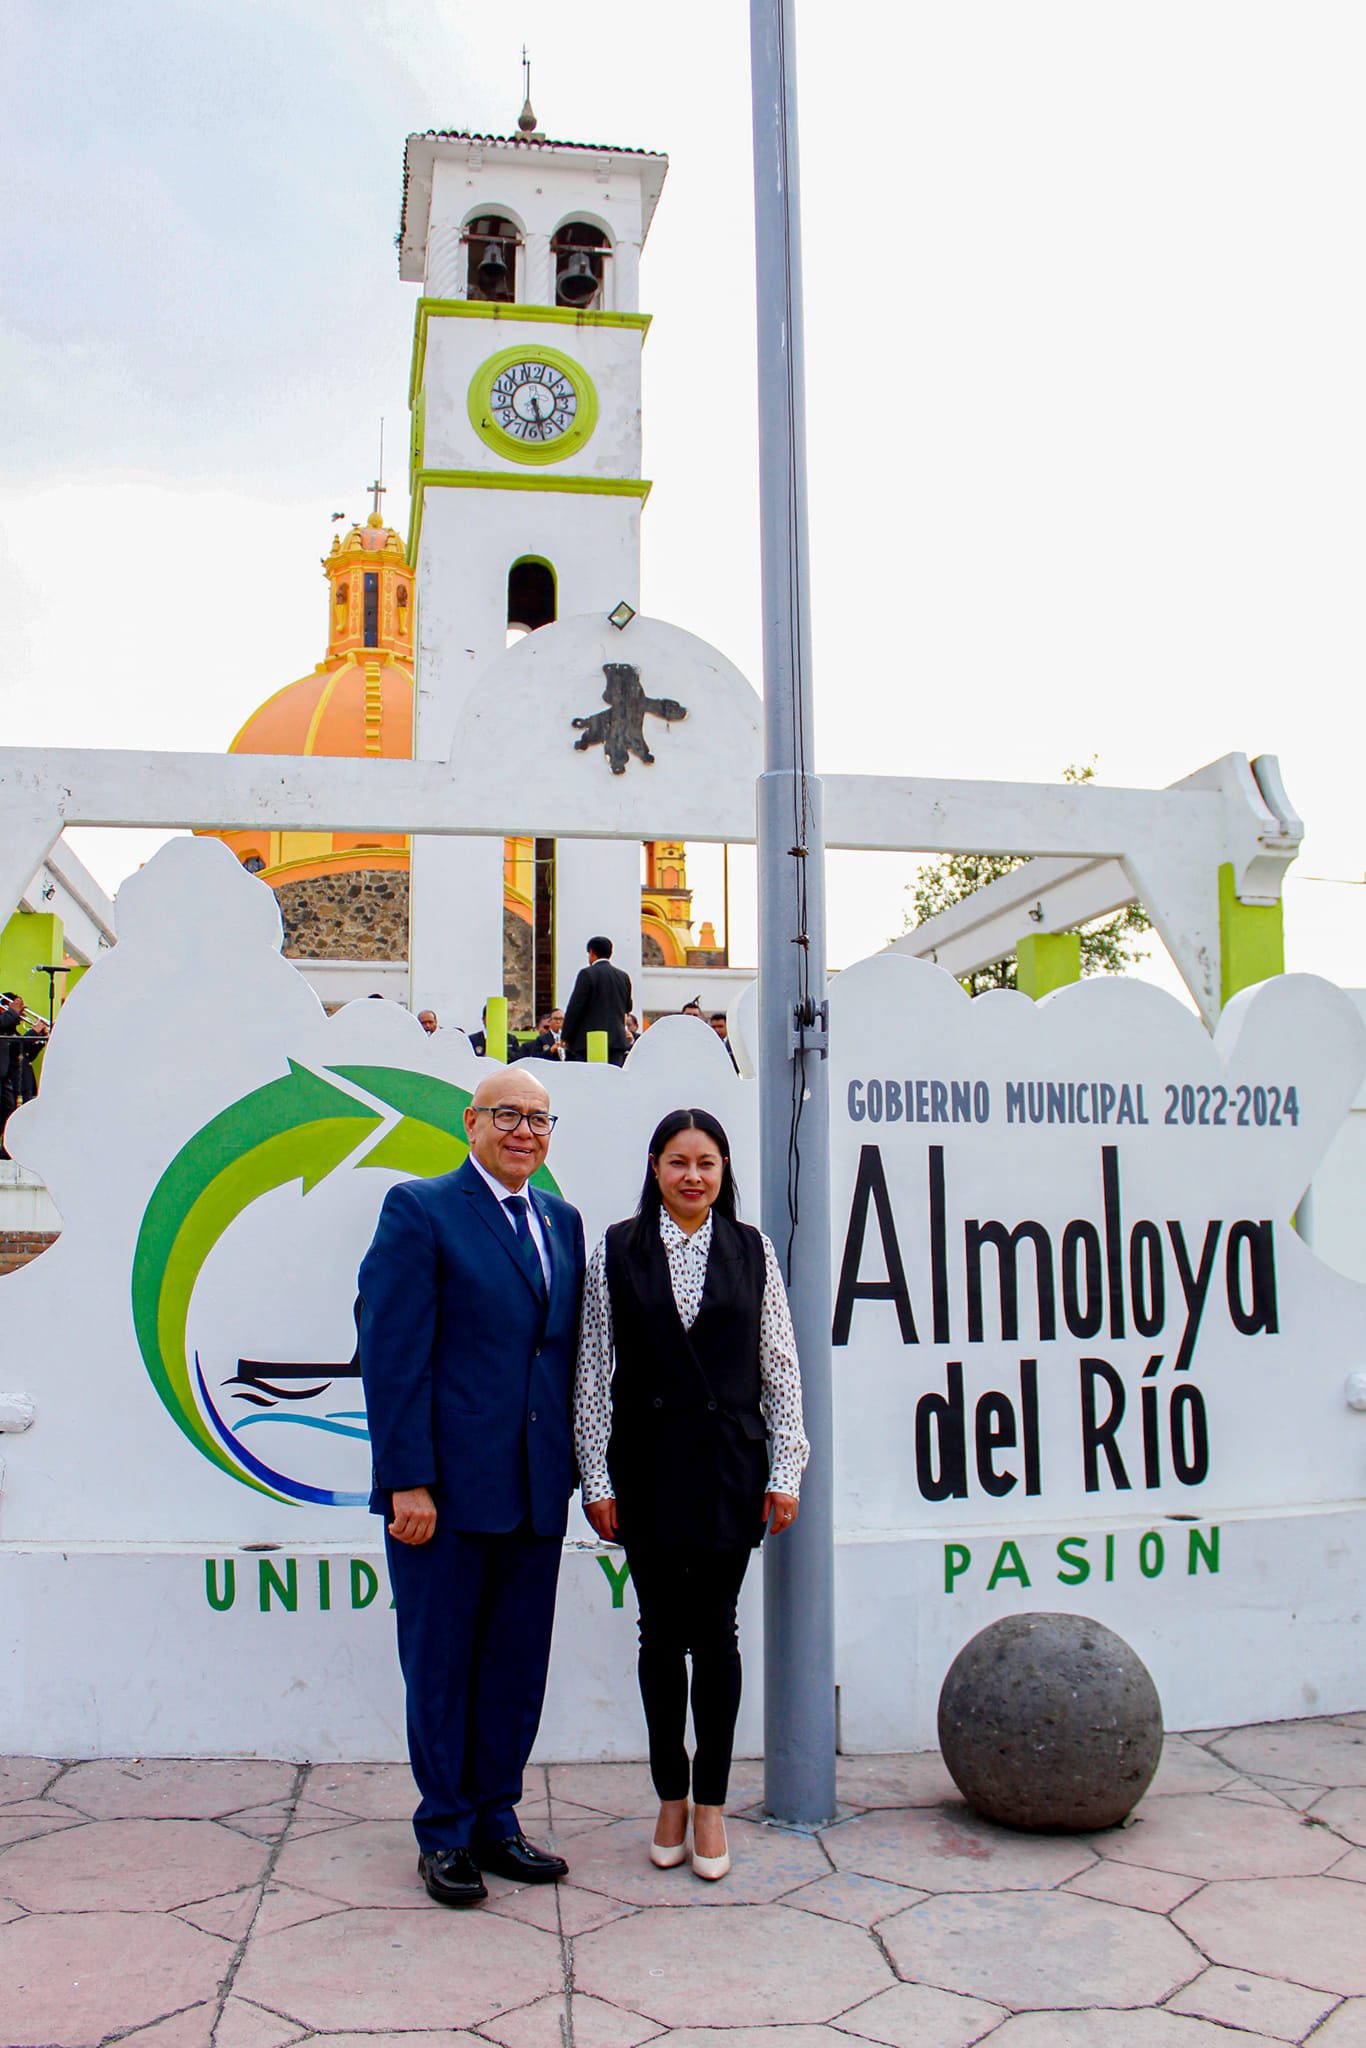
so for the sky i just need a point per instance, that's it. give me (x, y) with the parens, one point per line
(1085, 320)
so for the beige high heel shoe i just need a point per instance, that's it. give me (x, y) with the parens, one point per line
(710, 1867)
(668, 1855)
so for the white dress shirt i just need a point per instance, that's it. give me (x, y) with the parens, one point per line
(505, 1195)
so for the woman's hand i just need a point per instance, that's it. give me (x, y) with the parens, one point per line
(780, 1511)
(603, 1515)
(414, 1515)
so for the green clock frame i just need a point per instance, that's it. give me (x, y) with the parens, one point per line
(493, 436)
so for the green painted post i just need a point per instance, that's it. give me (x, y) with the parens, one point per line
(1251, 939)
(31, 939)
(1047, 960)
(597, 1048)
(496, 1029)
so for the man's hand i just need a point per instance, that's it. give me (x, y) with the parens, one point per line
(780, 1511)
(414, 1516)
(603, 1515)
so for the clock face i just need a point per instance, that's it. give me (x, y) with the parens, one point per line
(533, 401)
(532, 404)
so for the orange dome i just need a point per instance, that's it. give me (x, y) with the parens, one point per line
(359, 708)
(374, 538)
(357, 704)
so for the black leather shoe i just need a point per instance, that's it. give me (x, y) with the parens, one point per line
(452, 1877)
(520, 1860)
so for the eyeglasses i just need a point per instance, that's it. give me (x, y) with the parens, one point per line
(505, 1118)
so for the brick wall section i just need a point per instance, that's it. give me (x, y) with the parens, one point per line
(17, 1247)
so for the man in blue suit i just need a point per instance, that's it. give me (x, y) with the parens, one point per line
(469, 1327)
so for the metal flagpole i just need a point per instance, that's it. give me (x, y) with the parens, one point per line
(799, 1629)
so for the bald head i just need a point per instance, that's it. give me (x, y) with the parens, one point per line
(509, 1156)
(511, 1084)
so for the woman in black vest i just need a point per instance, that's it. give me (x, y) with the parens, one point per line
(688, 1427)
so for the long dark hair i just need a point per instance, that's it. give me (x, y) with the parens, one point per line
(651, 1201)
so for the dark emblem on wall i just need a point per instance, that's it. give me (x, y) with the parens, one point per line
(620, 729)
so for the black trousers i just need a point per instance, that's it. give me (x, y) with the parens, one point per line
(474, 1617)
(687, 1606)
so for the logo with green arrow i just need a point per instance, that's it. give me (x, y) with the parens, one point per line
(300, 1128)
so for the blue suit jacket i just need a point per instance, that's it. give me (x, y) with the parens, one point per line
(468, 1370)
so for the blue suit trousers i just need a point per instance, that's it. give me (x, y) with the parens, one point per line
(474, 1614)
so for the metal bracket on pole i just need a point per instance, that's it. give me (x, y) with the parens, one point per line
(810, 1030)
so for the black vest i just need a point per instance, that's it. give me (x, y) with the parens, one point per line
(688, 1453)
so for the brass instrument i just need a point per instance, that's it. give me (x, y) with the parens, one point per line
(29, 1020)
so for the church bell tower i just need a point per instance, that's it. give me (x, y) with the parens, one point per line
(526, 493)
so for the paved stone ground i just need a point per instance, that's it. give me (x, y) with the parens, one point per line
(252, 1905)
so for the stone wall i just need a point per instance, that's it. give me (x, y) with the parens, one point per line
(363, 915)
(517, 966)
(360, 915)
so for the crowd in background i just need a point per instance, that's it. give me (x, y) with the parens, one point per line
(23, 1034)
(546, 1042)
(601, 1001)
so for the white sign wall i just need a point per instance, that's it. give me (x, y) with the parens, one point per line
(1081, 1359)
(187, 1564)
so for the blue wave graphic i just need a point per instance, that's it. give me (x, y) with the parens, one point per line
(296, 1489)
(304, 1422)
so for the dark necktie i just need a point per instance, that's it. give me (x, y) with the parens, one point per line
(516, 1206)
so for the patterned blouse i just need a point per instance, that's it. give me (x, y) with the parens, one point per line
(780, 1385)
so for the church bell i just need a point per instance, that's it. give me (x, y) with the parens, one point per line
(492, 273)
(577, 284)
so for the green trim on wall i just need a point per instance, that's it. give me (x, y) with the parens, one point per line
(417, 438)
(494, 480)
(533, 455)
(1251, 938)
(481, 309)
(1047, 960)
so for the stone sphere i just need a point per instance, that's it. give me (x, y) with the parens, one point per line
(1050, 1721)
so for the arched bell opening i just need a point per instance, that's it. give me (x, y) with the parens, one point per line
(491, 244)
(533, 602)
(531, 596)
(580, 252)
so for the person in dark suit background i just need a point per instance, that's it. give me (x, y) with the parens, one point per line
(479, 1039)
(547, 1044)
(18, 1082)
(599, 1002)
(469, 1305)
(11, 1016)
